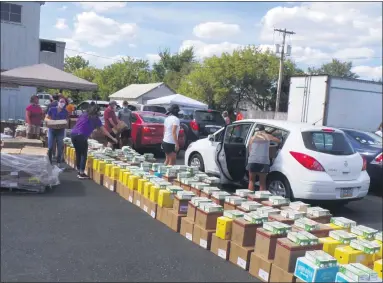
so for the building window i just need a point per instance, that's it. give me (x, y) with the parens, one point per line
(10, 12)
(48, 46)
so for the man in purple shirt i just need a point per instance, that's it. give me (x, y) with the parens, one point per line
(84, 127)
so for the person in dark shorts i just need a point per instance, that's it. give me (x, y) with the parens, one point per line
(125, 115)
(258, 163)
(171, 130)
(111, 122)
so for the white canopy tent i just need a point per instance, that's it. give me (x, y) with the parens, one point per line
(179, 99)
(42, 75)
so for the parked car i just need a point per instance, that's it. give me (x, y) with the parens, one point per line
(84, 105)
(150, 108)
(311, 162)
(199, 124)
(369, 145)
(44, 100)
(148, 130)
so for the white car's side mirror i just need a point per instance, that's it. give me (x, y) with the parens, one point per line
(211, 138)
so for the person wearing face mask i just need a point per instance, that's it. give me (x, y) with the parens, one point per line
(171, 130)
(125, 115)
(33, 118)
(56, 136)
(111, 121)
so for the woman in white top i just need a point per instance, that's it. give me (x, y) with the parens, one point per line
(171, 129)
(259, 160)
(379, 131)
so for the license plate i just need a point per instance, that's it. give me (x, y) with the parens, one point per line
(346, 192)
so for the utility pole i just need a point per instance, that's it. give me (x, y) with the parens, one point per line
(280, 77)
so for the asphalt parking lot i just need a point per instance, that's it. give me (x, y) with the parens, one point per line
(83, 232)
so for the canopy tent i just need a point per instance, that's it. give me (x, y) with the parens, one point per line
(179, 99)
(42, 75)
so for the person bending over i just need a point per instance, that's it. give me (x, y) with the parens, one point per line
(259, 159)
(85, 125)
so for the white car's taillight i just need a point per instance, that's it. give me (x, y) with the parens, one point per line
(378, 159)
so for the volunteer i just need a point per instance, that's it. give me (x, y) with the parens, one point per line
(171, 129)
(259, 159)
(225, 116)
(125, 115)
(111, 121)
(56, 136)
(33, 118)
(379, 131)
(239, 116)
(70, 107)
(85, 125)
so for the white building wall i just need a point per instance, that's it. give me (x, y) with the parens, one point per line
(19, 47)
(54, 59)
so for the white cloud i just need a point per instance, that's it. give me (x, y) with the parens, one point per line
(203, 50)
(131, 45)
(100, 31)
(368, 72)
(216, 30)
(102, 6)
(325, 24)
(61, 24)
(153, 58)
(63, 8)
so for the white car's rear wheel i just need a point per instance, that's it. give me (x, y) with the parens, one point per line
(279, 185)
(197, 161)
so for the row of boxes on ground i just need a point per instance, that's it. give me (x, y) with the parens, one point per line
(172, 218)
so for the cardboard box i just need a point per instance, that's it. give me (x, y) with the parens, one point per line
(202, 237)
(119, 127)
(280, 218)
(110, 184)
(180, 205)
(207, 221)
(152, 206)
(98, 178)
(187, 226)
(260, 267)
(322, 232)
(309, 272)
(57, 124)
(162, 214)
(287, 253)
(269, 203)
(130, 195)
(321, 219)
(196, 191)
(174, 220)
(203, 194)
(220, 247)
(218, 201)
(279, 275)
(229, 206)
(192, 210)
(145, 204)
(244, 232)
(266, 243)
(31, 150)
(137, 198)
(240, 255)
(185, 187)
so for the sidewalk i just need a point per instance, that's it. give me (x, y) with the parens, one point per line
(82, 232)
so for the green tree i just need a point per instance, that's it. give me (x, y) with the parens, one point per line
(173, 67)
(74, 63)
(334, 68)
(247, 75)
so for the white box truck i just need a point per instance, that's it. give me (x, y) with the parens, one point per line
(335, 102)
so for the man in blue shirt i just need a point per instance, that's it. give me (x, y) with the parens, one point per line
(56, 136)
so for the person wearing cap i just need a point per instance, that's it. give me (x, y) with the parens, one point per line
(111, 121)
(171, 129)
(125, 115)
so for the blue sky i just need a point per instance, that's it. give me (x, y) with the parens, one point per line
(105, 31)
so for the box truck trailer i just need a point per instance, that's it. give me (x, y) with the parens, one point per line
(335, 102)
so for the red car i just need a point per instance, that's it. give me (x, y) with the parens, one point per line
(148, 130)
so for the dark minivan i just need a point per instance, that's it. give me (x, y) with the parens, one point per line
(198, 124)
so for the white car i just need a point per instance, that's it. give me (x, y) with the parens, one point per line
(312, 162)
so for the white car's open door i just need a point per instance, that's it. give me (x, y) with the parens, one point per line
(231, 153)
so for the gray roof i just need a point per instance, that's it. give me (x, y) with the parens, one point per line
(43, 75)
(135, 90)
